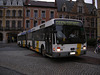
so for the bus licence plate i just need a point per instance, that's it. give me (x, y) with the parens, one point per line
(72, 53)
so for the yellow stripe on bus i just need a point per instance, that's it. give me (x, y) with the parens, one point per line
(23, 43)
(78, 49)
(37, 46)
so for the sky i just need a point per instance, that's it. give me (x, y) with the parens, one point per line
(87, 1)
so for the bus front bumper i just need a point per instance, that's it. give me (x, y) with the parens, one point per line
(66, 54)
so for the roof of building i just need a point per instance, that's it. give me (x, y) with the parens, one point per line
(59, 4)
(1, 2)
(70, 4)
(90, 7)
(41, 4)
(12, 2)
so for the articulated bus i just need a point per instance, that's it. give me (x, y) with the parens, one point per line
(58, 37)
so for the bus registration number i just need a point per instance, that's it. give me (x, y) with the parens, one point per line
(72, 53)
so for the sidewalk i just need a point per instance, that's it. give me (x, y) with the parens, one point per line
(7, 44)
(90, 48)
(90, 53)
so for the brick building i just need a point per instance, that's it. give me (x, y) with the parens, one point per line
(36, 12)
(79, 10)
(11, 20)
(16, 17)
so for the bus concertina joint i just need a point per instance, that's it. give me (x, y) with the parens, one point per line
(58, 37)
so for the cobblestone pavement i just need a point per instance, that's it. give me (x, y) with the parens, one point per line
(15, 60)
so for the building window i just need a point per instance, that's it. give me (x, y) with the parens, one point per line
(92, 36)
(80, 18)
(20, 13)
(35, 13)
(27, 24)
(35, 23)
(60, 16)
(94, 13)
(27, 13)
(64, 9)
(72, 17)
(13, 24)
(7, 24)
(43, 14)
(88, 19)
(92, 22)
(0, 23)
(14, 13)
(80, 9)
(52, 14)
(88, 36)
(42, 21)
(8, 13)
(92, 33)
(83, 21)
(19, 24)
(1, 37)
(0, 12)
(67, 16)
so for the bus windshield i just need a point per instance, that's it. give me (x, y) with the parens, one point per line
(67, 34)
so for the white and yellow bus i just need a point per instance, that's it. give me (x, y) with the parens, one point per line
(58, 37)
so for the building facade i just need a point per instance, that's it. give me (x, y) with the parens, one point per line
(19, 15)
(98, 19)
(36, 12)
(11, 20)
(79, 10)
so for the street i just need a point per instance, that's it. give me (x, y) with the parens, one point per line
(15, 60)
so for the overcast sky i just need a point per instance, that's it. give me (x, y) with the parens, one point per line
(87, 1)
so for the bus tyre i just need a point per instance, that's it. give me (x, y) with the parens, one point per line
(18, 44)
(43, 51)
(29, 46)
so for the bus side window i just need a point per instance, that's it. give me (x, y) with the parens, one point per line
(43, 36)
(53, 38)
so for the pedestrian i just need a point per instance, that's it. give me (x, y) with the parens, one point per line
(98, 46)
(12, 39)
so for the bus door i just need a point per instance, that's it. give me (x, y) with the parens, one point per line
(48, 43)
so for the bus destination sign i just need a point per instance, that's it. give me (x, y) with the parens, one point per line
(77, 23)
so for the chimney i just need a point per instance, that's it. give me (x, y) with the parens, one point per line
(27, 1)
(93, 2)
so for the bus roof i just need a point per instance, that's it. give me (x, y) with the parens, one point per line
(50, 23)
(46, 24)
(22, 33)
(29, 31)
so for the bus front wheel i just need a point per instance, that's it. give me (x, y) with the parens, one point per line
(43, 52)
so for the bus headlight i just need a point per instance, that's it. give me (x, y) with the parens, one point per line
(58, 49)
(84, 47)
